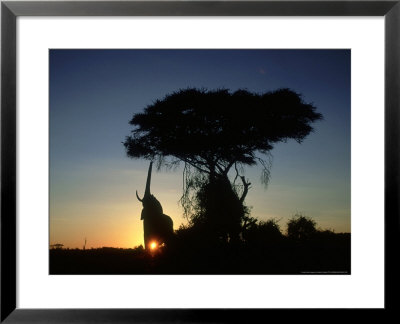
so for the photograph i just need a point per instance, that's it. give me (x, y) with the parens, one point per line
(200, 161)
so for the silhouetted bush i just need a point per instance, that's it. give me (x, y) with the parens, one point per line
(219, 210)
(263, 232)
(325, 234)
(301, 227)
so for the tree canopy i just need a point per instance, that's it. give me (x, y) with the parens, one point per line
(211, 130)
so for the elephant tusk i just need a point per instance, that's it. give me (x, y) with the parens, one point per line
(137, 196)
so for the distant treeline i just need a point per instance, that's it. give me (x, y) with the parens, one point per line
(303, 249)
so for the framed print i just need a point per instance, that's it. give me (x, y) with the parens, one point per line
(188, 103)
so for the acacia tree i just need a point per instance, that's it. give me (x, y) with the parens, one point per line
(213, 132)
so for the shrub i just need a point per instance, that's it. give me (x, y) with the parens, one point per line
(264, 232)
(301, 227)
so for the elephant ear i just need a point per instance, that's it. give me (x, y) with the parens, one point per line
(142, 215)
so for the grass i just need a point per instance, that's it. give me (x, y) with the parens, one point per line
(325, 252)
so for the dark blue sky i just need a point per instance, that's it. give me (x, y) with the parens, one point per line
(94, 93)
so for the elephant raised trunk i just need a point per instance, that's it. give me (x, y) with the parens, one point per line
(147, 189)
(148, 181)
(157, 226)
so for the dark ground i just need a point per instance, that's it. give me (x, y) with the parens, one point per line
(323, 255)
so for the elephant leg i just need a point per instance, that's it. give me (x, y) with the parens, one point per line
(146, 235)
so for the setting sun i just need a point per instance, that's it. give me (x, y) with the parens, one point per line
(153, 245)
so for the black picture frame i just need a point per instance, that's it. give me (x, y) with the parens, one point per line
(10, 10)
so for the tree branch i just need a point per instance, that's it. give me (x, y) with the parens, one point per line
(227, 168)
(246, 186)
(193, 163)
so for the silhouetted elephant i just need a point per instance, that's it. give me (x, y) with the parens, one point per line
(157, 226)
